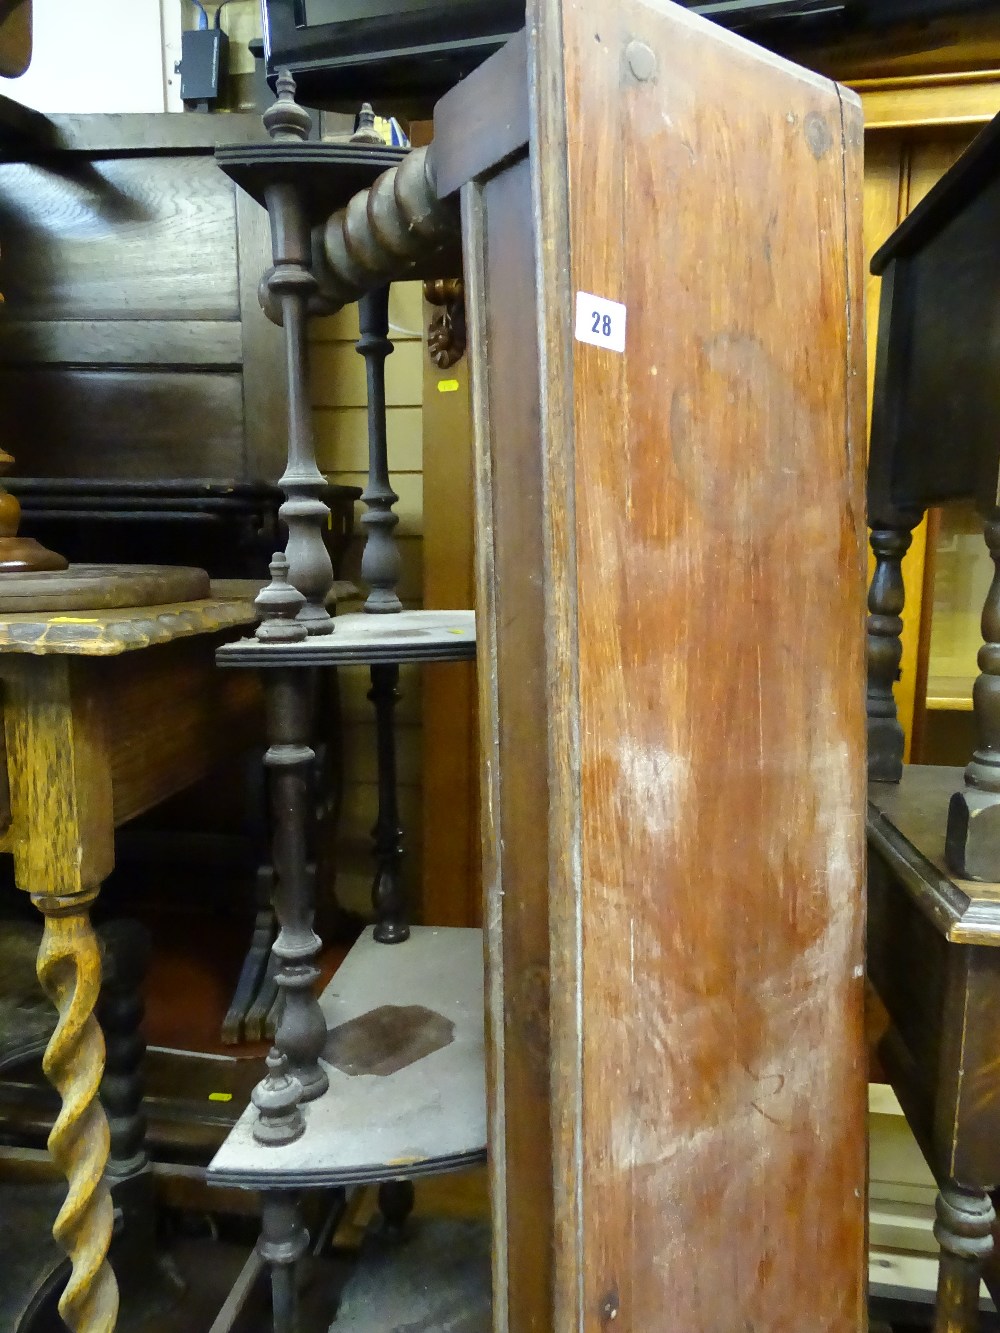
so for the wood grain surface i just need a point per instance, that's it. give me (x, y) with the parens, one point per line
(172, 717)
(116, 423)
(108, 633)
(62, 834)
(119, 243)
(133, 343)
(100, 587)
(707, 775)
(510, 611)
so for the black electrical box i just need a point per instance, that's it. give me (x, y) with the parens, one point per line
(204, 57)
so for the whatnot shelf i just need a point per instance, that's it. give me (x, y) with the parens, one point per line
(363, 639)
(406, 1062)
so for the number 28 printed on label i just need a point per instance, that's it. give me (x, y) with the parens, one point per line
(600, 322)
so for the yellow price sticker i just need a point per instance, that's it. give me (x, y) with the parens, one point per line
(448, 386)
(220, 1096)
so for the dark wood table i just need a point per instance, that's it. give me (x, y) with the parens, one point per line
(934, 958)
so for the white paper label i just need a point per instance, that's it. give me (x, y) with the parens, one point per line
(600, 322)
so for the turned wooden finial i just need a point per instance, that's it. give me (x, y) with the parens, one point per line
(284, 119)
(20, 555)
(277, 1098)
(278, 604)
(366, 131)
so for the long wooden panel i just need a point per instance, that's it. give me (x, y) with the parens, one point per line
(96, 423)
(512, 692)
(207, 344)
(705, 527)
(452, 869)
(118, 238)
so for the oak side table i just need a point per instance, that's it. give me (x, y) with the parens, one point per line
(105, 714)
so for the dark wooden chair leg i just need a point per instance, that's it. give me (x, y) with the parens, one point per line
(283, 1242)
(972, 847)
(253, 973)
(120, 1010)
(148, 1284)
(964, 1230)
(387, 890)
(252, 979)
(262, 1017)
(395, 1202)
(886, 598)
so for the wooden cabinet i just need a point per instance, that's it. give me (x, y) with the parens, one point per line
(673, 788)
(133, 345)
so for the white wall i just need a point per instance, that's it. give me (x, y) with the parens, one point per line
(102, 55)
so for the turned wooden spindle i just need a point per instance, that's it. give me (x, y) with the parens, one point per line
(291, 284)
(294, 1073)
(964, 1230)
(387, 890)
(69, 969)
(366, 131)
(886, 598)
(282, 1245)
(972, 845)
(984, 770)
(380, 559)
(301, 1031)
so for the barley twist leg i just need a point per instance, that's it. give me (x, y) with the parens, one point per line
(69, 969)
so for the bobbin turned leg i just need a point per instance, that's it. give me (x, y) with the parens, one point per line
(972, 847)
(69, 969)
(964, 1230)
(283, 1242)
(886, 597)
